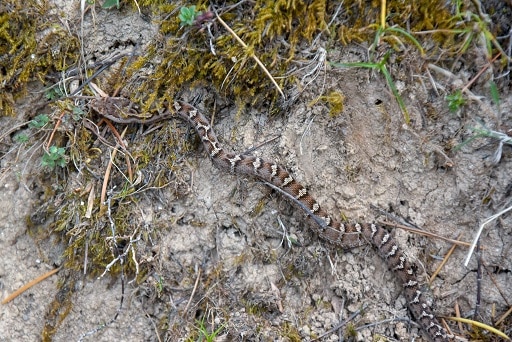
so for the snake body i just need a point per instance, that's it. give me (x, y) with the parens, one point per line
(340, 234)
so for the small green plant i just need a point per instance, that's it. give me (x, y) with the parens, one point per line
(477, 29)
(39, 121)
(21, 138)
(54, 93)
(77, 113)
(481, 131)
(188, 15)
(204, 335)
(381, 66)
(455, 101)
(54, 157)
(495, 94)
(394, 32)
(159, 284)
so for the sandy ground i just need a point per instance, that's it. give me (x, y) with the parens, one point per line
(251, 279)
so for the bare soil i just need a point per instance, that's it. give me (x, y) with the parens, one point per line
(242, 256)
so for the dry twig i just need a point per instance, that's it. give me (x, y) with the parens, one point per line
(29, 285)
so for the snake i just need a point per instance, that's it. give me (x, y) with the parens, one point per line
(335, 232)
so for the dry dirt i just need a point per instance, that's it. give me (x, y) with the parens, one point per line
(252, 281)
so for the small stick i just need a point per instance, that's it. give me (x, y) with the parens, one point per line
(478, 280)
(482, 70)
(193, 292)
(107, 171)
(498, 286)
(457, 314)
(120, 139)
(505, 315)
(441, 265)
(260, 145)
(389, 320)
(29, 285)
(424, 233)
(59, 121)
(341, 324)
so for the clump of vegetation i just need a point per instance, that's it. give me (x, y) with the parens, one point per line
(335, 101)
(204, 332)
(209, 54)
(188, 15)
(39, 121)
(455, 100)
(110, 4)
(55, 156)
(26, 53)
(185, 62)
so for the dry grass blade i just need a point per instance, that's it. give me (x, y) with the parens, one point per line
(481, 228)
(457, 314)
(107, 172)
(482, 326)
(90, 202)
(256, 59)
(122, 144)
(193, 292)
(342, 324)
(59, 121)
(441, 265)
(424, 233)
(505, 315)
(482, 70)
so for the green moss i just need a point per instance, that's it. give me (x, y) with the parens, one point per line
(335, 101)
(253, 309)
(31, 46)
(291, 332)
(417, 15)
(189, 61)
(351, 331)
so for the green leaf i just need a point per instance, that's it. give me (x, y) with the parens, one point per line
(78, 113)
(108, 4)
(381, 66)
(355, 65)
(54, 157)
(54, 93)
(21, 138)
(395, 92)
(39, 121)
(188, 15)
(495, 95)
(407, 35)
